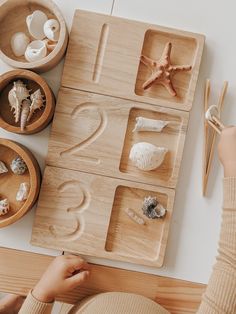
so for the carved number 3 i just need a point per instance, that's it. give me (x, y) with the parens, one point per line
(76, 211)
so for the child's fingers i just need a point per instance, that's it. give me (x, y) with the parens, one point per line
(78, 279)
(77, 264)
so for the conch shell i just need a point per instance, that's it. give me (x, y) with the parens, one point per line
(145, 124)
(52, 29)
(4, 207)
(3, 168)
(146, 156)
(16, 95)
(37, 99)
(24, 113)
(23, 192)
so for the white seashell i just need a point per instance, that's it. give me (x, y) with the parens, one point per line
(18, 166)
(23, 192)
(16, 95)
(145, 124)
(4, 207)
(212, 111)
(3, 168)
(51, 29)
(35, 23)
(24, 113)
(136, 218)
(35, 51)
(37, 99)
(19, 42)
(146, 156)
(50, 44)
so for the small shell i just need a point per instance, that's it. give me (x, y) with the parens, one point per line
(3, 168)
(37, 103)
(35, 51)
(4, 207)
(145, 124)
(212, 111)
(19, 42)
(18, 166)
(136, 218)
(16, 95)
(23, 192)
(152, 208)
(24, 113)
(52, 29)
(146, 156)
(51, 45)
(35, 23)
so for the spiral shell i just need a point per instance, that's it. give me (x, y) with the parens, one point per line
(18, 166)
(37, 99)
(23, 192)
(4, 207)
(24, 113)
(3, 168)
(52, 29)
(152, 208)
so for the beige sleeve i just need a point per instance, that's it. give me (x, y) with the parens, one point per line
(220, 295)
(33, 306)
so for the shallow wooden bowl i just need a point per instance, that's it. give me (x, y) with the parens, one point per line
(13, 15)
(9, 182)
(41, 118)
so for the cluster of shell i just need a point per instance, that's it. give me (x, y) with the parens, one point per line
(23, 104)
(146, 156)
(18, 167)
(45, 33)
(152, 208)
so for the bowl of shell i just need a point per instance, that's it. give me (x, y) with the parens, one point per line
(26, 102)
(20, 171)
(33, 34)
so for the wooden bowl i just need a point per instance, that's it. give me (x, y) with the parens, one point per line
(13, 15)
(41, 118)
(9, 182)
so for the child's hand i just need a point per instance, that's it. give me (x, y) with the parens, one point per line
(227, 151)
(64, 274)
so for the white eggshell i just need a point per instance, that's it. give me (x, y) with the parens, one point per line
(146, 156)
(35, 51)
(19, 42)
(35, 23)
(52, 29)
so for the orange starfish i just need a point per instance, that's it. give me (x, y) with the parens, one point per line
(162, 70)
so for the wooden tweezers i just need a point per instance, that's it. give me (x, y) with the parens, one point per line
(210, 135)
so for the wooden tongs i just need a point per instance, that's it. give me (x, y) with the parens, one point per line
(212, 118)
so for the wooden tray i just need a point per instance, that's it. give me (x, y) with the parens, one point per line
(93, 133)
(84, 213)
(9, 182)
(104, 57)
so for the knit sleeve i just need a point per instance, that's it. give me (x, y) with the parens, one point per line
(220, 295)
(33, 306)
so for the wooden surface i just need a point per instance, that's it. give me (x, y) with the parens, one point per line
(104, 57)
(85, 213)
(9, 24)
(41, 118)
(93, 133)
(10, 183)
(19, 272)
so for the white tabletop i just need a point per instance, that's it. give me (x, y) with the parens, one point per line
(194, 230)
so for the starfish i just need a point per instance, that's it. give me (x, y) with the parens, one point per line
(162, 70)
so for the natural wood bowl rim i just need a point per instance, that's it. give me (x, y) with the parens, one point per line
(50, 5)
(35, 178)
(48, 111)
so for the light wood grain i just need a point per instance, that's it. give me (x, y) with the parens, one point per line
(120, 71)
(93, 133)
(13, 14)
(10, 183)
(85, 213)
(41, 118)
(19, 272)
